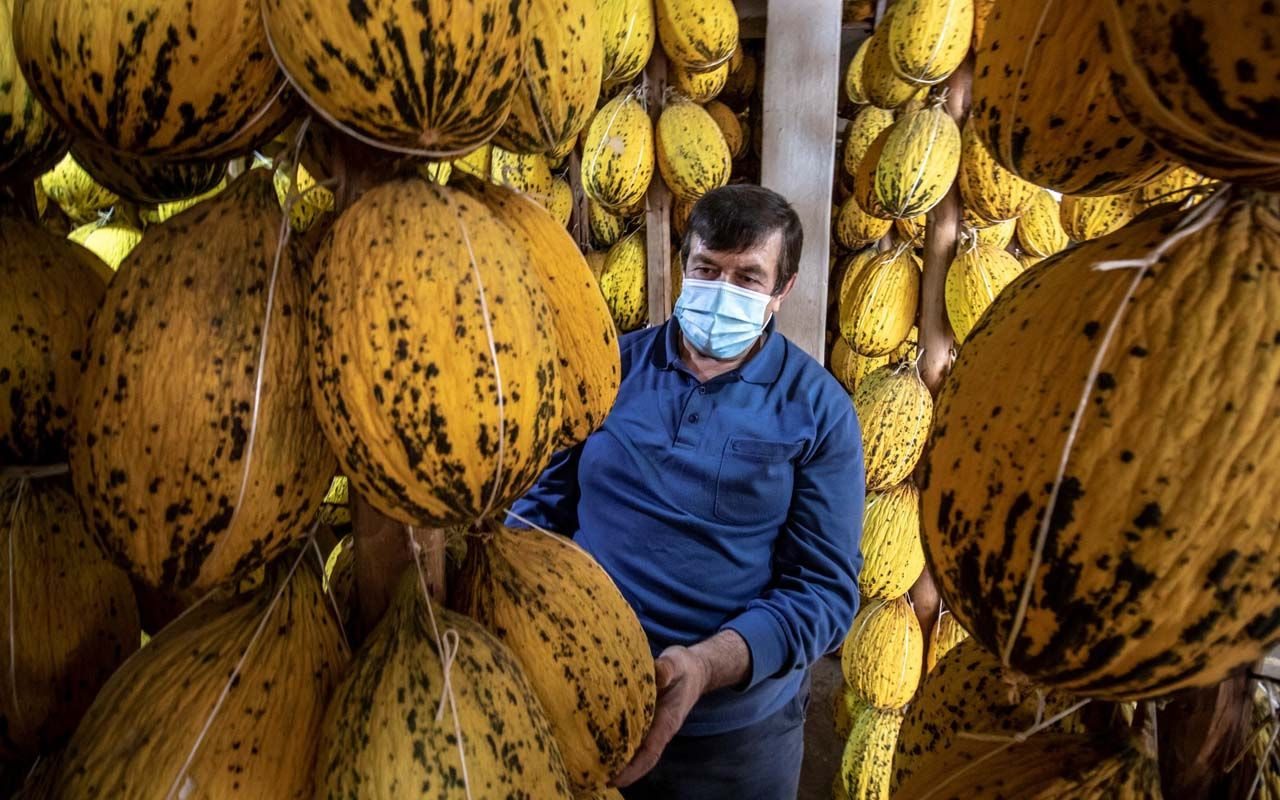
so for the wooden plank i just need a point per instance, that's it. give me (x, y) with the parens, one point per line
(801, 82)
(658, 206)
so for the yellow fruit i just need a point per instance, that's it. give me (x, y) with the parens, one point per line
(163, 211)
(989, 190)
(911, 229)
(917, 163)
(627, 28)
(617, 154)
(438, 333)
(867, 762)
(624, 282)
(853, 75)
(305, 205)
(928, 39)
(943, 637)
(855, 228)
(975, 279)
(878, 304)
(1175, 187)
(692, 153)
(895, 411)
(892, 555)
(580, 644)
(606, 228)
(700, 87)
(434, 78)
(75, 192)
(730, 127)
(861, 133)
(32, 141)
(846, 706)
(560, 203)
(527, 174)
(998, 235)
(1085, 218)
(110, 242)
(384, 730)
(478, 163)
(883, 654)
(883, 87)
(850, 368)
(698, 34)
(1039, 228)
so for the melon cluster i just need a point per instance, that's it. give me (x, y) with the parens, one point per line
(1039, 488)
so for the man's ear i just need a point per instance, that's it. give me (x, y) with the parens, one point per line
(786, 290)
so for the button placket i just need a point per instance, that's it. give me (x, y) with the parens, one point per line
(696, 408)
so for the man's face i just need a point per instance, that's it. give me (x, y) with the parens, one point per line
(755, 268)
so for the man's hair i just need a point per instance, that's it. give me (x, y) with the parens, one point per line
(738, 217)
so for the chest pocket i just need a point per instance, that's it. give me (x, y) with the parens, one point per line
(755, 481)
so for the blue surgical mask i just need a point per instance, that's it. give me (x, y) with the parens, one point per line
(719, 319)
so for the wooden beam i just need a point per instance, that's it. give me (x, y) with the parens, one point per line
(658, 205)
(801, 83)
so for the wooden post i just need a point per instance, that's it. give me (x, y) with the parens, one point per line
(1200, 734)
(801, 85)
(657, 213)
(936, 339)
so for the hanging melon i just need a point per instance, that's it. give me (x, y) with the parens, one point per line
(584, 334)
(882, 656)
(700, 87)
(1197, 76)
(448, 408)
(928, 39)
(527, 174)
(1176, 186)
(974, 280)
(895, 410)
(562, 67)
(883, 87)
(911, 229)
(433, 78)
(730, 127)
(110, 241)
(989, 190)
(226, 701)
(878, 303)
(1042, 101)
(49, 289)
(1039, 228)
(855, 228)
(854, 87)
(394, 722)
(150, 78)
(478, 163)
(190, 469)
(70, 617)
(998, 235)
(740, 87)
(617, 155)
(624, 282)
(698, 34)
(1085, 218)
(76, 192)
(892, 556)
(606, 228)
(579, 642)
(864, 179)
(945, 634)
(867, 761)
(692, 153)
(560, 204)
(1138, 486)
(31, 141)
(860, 135)
(147, 181)
(918, 162)
(969, 692)
(627, 28)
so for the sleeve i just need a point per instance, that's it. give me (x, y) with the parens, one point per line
(808, 607)
(552, 503)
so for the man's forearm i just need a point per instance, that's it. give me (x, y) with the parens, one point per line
(726, 657)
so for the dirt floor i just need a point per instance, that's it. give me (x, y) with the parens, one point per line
(821, 747)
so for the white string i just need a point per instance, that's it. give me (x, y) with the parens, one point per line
(286, 229)
(1194, 222)
(1009, 741)
(447, 648)
(13, 656)
(235, 672)
(497, 370)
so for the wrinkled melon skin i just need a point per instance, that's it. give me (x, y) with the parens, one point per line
(153, 78)
(433, 78)
(162, 460)
(580, 643)
(30, 140)
(381, 738)
(628, 30)
(895, 410)
(147, 181)
(1161, 488)
(414, 291)
(617, 154)
(692, 153)
(74, 619)
(623, 282)
(49, 289)
(867, 761)
(261, 742)
(883, 655)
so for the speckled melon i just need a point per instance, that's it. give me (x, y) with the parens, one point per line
(928, 39)
(153, 78)
(945, 634)
(1085, 218)
(226, 701)
(855, 228)
(587, 345)
(878, 302)
(859, 135)
(854, 88)
(30, 140)
(692, 153)
(76, 192)
(1176, 186)
(1042, 101)
(70, 616)
(528, 174)
(434, 78)
(433, 364)
(892, 556)
(975, 279)
(628, 30)
(883, 655)
(917, 163)
(580, 644)
(730, 126)
(990, 191)
(968, 692)
(895, 410)
(700, 87)
(883, 86)
(144, 180)
(624, 282)
(560, 81)
(190, 472)
(1039, 228)
(1151, 489)
(606, 227)
(867, 760)
(49, 289)
(698, 34)
(617, 154)
(383, 734)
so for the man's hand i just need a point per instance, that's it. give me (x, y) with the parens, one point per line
(683, 675)
(682, 678)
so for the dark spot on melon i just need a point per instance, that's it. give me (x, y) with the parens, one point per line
(1149, 517)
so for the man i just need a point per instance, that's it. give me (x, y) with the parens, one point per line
(724, 496)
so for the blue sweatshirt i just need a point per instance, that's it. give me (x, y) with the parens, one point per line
(735, 503)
